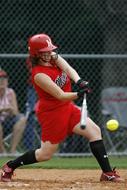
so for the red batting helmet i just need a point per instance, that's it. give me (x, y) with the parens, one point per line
(40, 43)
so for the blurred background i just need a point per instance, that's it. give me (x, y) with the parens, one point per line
(92, 36)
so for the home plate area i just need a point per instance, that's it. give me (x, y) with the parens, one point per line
(61, 179)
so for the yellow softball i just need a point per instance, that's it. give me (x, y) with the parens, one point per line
(112, 125)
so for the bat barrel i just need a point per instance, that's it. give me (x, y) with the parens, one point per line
(83, 114)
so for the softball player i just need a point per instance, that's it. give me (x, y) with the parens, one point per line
(55, 110)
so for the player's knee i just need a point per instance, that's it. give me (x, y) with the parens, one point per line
(42, 155)
(47, 157)
(99, 130)
(96, 134)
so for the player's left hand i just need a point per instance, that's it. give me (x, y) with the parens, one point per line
(81, 92)
(82, 84)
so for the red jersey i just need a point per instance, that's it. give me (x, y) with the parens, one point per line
(57, 118)
(47, 102)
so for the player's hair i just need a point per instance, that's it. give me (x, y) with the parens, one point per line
(34, 61)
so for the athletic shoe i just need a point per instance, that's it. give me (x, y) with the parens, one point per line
(111, 176)
(6, 174)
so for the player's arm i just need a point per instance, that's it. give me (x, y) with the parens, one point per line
(45, 83)
(71, 72)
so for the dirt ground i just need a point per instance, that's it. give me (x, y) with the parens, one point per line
(54, 179)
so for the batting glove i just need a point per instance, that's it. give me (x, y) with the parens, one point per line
(83, 85)
(81, 92)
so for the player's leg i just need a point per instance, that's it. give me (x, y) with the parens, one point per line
(46, 151)
(18, 129)
(93, 133)
(42, 154)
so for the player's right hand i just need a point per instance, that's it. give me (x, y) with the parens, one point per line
(83, 85)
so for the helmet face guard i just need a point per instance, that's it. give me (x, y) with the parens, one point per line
(40, 43)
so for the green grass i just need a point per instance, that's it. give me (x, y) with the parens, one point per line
(74, 163)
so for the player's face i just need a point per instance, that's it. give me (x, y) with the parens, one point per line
(46, 56)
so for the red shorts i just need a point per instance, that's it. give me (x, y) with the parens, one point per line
(57, 124)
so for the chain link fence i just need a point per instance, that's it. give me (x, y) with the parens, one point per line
(78, 27)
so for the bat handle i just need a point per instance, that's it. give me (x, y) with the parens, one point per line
(83, 126)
